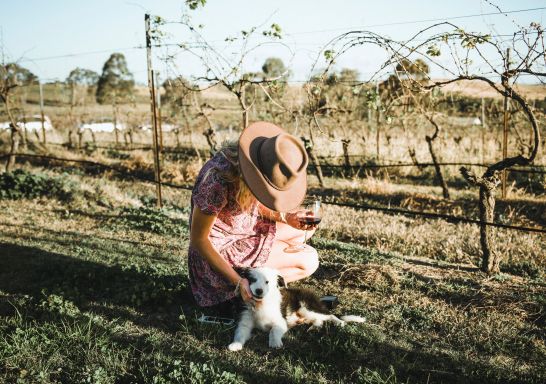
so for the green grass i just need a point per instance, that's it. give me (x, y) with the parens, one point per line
(95, 293)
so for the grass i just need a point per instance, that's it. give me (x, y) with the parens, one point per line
(95, 290)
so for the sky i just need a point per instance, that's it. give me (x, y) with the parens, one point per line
(53, 37)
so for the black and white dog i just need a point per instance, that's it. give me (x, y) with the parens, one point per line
(276, 310)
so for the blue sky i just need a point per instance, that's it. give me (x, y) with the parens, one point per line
(34, 31)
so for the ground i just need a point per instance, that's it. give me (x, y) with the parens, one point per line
(94, 288)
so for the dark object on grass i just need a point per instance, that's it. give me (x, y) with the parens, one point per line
(330, 301)
(216, 320)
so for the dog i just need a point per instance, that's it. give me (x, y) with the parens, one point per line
(276, 308)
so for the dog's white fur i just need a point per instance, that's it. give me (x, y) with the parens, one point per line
(264, 312)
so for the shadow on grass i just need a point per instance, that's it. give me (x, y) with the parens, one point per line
(78, 236)
(466, 294)
(440, 265)
(159, 296)
(155, 300)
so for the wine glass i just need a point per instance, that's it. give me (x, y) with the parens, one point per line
(310, 213)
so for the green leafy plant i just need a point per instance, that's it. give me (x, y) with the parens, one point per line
(194, 4)
(21, 184)
(151, 220)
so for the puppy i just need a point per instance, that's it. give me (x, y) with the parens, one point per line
(275, 308)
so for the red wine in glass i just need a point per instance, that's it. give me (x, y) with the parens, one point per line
(310, 215)
(310, 220)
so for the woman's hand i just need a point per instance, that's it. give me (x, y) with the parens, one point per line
(292, 219)
(244, 288)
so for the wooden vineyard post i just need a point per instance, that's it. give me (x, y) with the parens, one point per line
(483, 132)
(377, 122)
(505, 80)
(158, 103)
(347, 161)
(314, 160)
(151, 86)
(44, 140)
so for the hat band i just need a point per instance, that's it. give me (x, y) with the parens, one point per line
(261, 167)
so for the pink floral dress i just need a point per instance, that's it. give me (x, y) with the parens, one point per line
(243, 239)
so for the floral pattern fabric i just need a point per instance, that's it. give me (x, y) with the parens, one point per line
(243, 239)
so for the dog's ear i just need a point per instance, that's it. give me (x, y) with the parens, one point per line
(280, 282)
(243, 272)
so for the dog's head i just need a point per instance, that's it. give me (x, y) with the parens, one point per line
(262, 281)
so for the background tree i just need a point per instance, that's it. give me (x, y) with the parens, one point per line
(177, 100)
(274, 67)
(12, 75)
(473, 57)
(409, 76)
(339, 99)
(81, 82)
(228, 70)
(115, 85)
(20, 75)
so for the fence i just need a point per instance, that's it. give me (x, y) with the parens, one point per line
(359, 166)
(329, 199)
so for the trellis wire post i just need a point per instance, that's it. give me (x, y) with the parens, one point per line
(505, 129)
(151, 86)
(158, 103)
(483, 131)
(42, 113)
(378, 121)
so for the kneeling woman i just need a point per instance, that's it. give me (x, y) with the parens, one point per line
(240, 214)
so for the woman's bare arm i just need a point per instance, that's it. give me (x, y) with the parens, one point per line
(201, 224)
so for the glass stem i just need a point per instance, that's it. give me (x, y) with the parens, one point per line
(305, 238)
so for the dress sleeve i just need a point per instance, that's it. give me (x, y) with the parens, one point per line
(211, 194)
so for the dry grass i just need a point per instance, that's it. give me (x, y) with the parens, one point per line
(85, 273)
(433, 239)
(476, 88)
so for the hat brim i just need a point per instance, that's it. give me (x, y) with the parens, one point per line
(282, 201)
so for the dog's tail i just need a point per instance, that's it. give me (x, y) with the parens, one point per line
(353, 319)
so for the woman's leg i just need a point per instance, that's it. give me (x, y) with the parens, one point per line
(292, 266)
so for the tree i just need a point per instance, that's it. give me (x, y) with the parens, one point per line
(20, 75)
(178, 92)
(80, 81)
(408, 74)
(83, 77)
(179, 96)
(417, 70)
(475, 57)
(12, 75)
(115, 85)
(338, 97)
(226, 70)
(274, 67)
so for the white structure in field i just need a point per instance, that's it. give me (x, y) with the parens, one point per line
(102, 127)
(464, 121)
(165, 127)
(31, 124)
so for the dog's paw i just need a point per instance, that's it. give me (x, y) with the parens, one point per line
(341, 323)
(315, 326)
(273, 343)
(235, 346)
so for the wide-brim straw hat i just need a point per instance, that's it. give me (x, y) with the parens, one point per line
(273, 164)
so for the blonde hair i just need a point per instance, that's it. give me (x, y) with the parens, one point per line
(244, 197)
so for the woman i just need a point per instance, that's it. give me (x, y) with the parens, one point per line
(240, 214)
